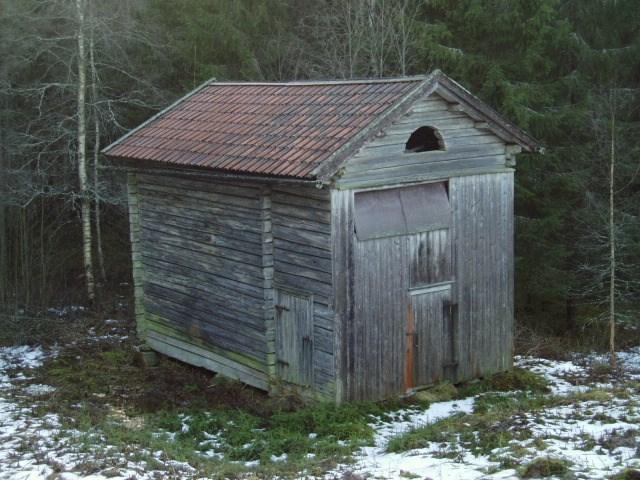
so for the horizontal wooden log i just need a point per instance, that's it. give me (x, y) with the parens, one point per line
(221, 298)
(302, 198)
(244, 273)
(237, 331)
(216, 240)
(323, 339)
(321, 289)
(323, 317)
(194, 323)
(297, 212)
(304, 237)
(430, 175)
(447, 130)
(178, 194)
(201, 357)
(160, 325)
(206, 208)
(417, 121)
(300, 224)
(281, 266)
(214, 215)
(427, 107)
(324, 362)
(461, 137)
(210, 312)
(203, 274)
(202, 225)
(206, 244)
(302, 249)
(242, 190)
(293, 257)
(324, 384)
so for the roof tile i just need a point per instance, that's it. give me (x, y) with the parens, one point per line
(275, 129)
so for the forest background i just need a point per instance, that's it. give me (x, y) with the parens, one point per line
(77, 74)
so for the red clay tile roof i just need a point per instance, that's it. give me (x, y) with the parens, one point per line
(285, 129)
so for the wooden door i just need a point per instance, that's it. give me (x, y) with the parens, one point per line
(294, 337)
(402, 252)
(430, 336)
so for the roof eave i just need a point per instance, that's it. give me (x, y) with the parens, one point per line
(133, 165)
(453, 92)
(105, 150)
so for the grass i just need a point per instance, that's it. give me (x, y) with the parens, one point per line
(185, 411)
(20, 328)
(517, 379)
(546, 467)
(627, 474)
(498, 429)
(329, 433)
(489, 427)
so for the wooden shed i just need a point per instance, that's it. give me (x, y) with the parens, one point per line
(352, 240)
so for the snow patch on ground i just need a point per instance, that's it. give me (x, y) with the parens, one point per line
(584, 433)
(374, 461)
(36, 447)
(598, 435)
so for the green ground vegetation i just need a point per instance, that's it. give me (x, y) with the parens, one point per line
(186, 412)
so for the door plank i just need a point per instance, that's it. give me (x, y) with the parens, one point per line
(294, 337)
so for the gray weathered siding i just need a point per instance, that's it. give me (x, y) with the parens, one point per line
(301, 224)
(209, 258)
(201, 249)
(469, 148)
(376, 283)
(136, 260)
(483, 231)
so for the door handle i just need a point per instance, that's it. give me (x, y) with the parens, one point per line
(281, 308)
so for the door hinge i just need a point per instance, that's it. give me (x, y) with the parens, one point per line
(281, 308)
(413, 335)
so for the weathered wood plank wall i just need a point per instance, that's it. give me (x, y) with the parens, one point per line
(379, 325)
(342, 228)
(377, 280)
(136, 259)
(468, 149)
(301, 219)
(206, 272)
(210, 257)
(483, 230)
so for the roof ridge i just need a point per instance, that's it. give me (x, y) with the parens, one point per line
(302, 83)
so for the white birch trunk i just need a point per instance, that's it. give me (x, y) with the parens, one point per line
(85, 205)
(96, 157)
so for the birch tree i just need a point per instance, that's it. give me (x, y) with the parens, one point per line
(85, 201)
(611, 219)
(69, 80)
